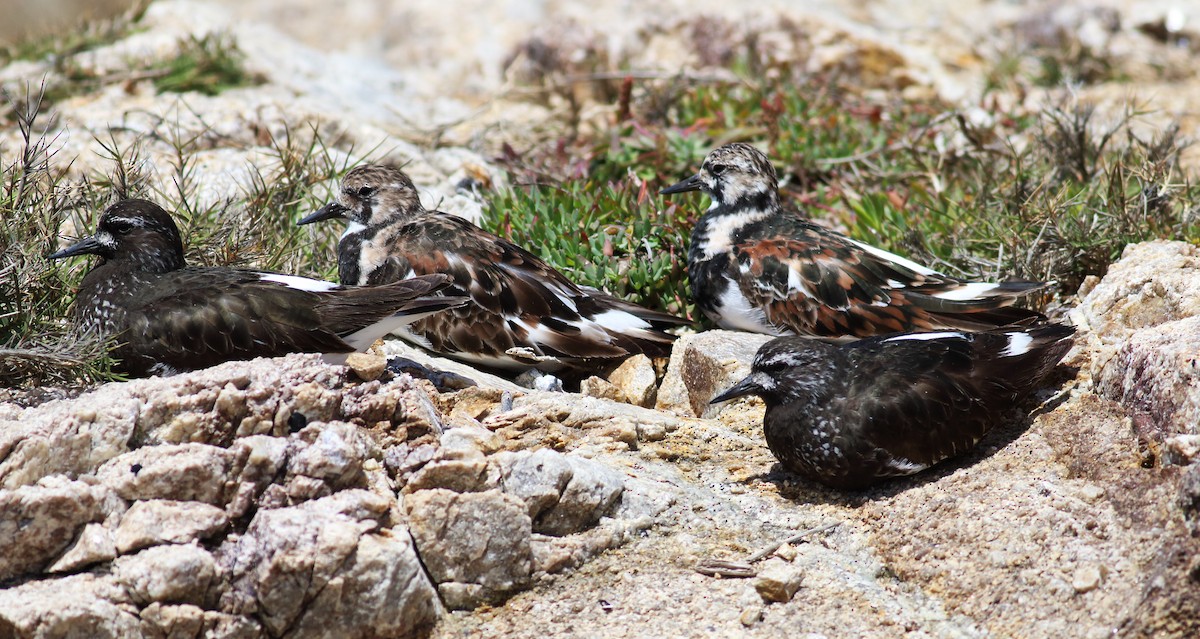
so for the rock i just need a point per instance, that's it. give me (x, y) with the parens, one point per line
(590, 493)
(170, 574)
(1182, 450)
(537, 478)
(43, 520)
(564, 494)
(94, 545)
(1087, 578)
(179, 472)
(703, 365)
(158, 521)
(367, 366)
(1189, 498)
(186, 620)
(751, 616)
(458, 475)
(468, 442)
(328, 563)
(567, 420)
(599, 387)
(1154, 373)
(472, 538)
(778, 581)
(67, 437)
(636, 379)
(1153, 283)
(333, 453)
(85, 605)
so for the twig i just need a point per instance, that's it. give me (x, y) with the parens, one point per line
(790, 540)
(743, 569)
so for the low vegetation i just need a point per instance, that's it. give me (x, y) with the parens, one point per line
(982, 192)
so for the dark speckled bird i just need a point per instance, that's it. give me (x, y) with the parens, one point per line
(848, 415)
(167, 317)
(755, 266)
(523, 313)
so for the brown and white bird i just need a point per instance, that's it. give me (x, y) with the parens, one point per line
(167, 317)
(755, 266)
(849, 415)
(523, 313)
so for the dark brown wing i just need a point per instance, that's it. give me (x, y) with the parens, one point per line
(923, 398)
(517, 299)
(816, 282)
(199, 317)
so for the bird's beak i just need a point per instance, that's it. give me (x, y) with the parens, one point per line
(86, 246)
(691, 184)
(748, 386)
(327, 212)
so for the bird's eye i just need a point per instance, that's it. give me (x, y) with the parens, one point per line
(717, 169)
(366, 191)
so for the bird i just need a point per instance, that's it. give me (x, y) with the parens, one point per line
(166, 317)
(755, 266)
(848, 415)
(522, 313)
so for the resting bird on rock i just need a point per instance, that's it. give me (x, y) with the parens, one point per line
(755, 266)
(522, 313)
(848, 415)
(167, 317)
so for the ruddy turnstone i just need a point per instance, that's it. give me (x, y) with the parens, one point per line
(168, 317)
(524, 312)
(755, 266)
(847, 415)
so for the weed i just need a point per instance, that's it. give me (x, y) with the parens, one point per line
(36, 343)
(610, 236)
(255, 227)
(209, 64)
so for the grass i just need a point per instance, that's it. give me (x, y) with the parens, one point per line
(208, 64)
(613, 236)
(980, 193)
(89, 35)
(36, 347)
(256, 226)
(1050, 195)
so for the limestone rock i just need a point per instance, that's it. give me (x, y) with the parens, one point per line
(185, 573)
(182, 472)
(636, 379)
(329, 563)
(93, 545)
(600, 387)
(158, 521)
(1153, 283)
(472, 538)
(590, 493)
(68, 437)
(1155, 372)
(43, 520)
(332, 452)
(778, 581)
(703, 365)
(73, 606)
(566, 420)
(367, 366)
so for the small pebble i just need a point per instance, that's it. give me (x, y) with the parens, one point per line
(778, 581)
(751, 616)
(1087, 578)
